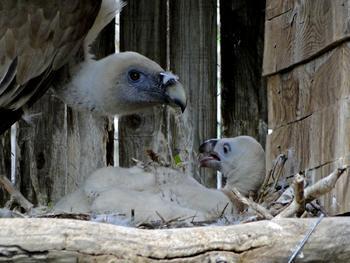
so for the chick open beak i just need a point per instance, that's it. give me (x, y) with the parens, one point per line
(174, 90)
(207, 156)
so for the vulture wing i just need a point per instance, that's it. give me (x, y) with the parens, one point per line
(37, 37)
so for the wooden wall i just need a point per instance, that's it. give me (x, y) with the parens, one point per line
(244, 98)
(5, 161)
(307, 64)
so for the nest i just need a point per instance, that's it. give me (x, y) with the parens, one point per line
(279, 197)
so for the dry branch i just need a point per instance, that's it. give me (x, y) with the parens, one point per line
(15, 195)
(297, 207)
(301, 196)
(256, 207)
(263, 241)
(323, 186)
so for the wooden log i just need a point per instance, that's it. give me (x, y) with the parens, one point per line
(308, 88)
(243, 90)
(297, 31)
(193, 34)
(264, 241)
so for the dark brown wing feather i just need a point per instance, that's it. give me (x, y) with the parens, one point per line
(37, 37)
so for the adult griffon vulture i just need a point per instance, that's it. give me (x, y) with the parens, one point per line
(38, 40)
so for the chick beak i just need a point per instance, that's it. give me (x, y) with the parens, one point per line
(174, 90)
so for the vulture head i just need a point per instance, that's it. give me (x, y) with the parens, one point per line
(240, 159)
(121, 84)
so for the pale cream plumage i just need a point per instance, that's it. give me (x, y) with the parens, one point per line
(170, 192)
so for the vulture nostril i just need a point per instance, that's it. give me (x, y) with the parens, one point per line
(168, 78)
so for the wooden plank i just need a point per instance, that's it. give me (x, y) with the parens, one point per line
(244, 102)
(321, 138)
(41, 156)
(276, 8)
(303, 31)
(143, 28)
(309, 87)
(193, 34)
(87, 140)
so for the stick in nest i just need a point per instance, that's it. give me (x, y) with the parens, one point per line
(15, 194)
(297, 206)
(255, 206)
(312, 192)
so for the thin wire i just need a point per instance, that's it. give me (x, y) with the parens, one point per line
(307, 236)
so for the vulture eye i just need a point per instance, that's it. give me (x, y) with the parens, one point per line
(134, 75)
(227, 148)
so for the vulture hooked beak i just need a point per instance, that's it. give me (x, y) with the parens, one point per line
(208, 157)
(174, 91)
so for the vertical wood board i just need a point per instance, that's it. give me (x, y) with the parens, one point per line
(309, 87)
(302, 31)
(244, 102)
(193, 43)
(321, 138)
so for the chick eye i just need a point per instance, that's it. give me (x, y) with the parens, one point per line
(226, 148)
(134, 75)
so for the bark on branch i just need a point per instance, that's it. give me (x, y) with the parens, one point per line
(16, 196)
(263, 241)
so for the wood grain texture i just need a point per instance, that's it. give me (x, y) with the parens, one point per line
(309, 87)
(62, 240)
(298, 31)
(41, 157)
(277, 8)
(244, 99)
(193, 42)
(143, 28)
(321, 138)
(5, 161)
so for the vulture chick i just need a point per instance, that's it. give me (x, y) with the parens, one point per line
(39, 41)
(169, 192)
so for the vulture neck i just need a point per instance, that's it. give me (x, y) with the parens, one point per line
(246, 177)
(89, 86)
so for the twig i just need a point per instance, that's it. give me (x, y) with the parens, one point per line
(314, 191)
(324, 185)
(15, 195)
(274, 173)
(299, 194)
(255, 206)
(161, 218)
(223, 211)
